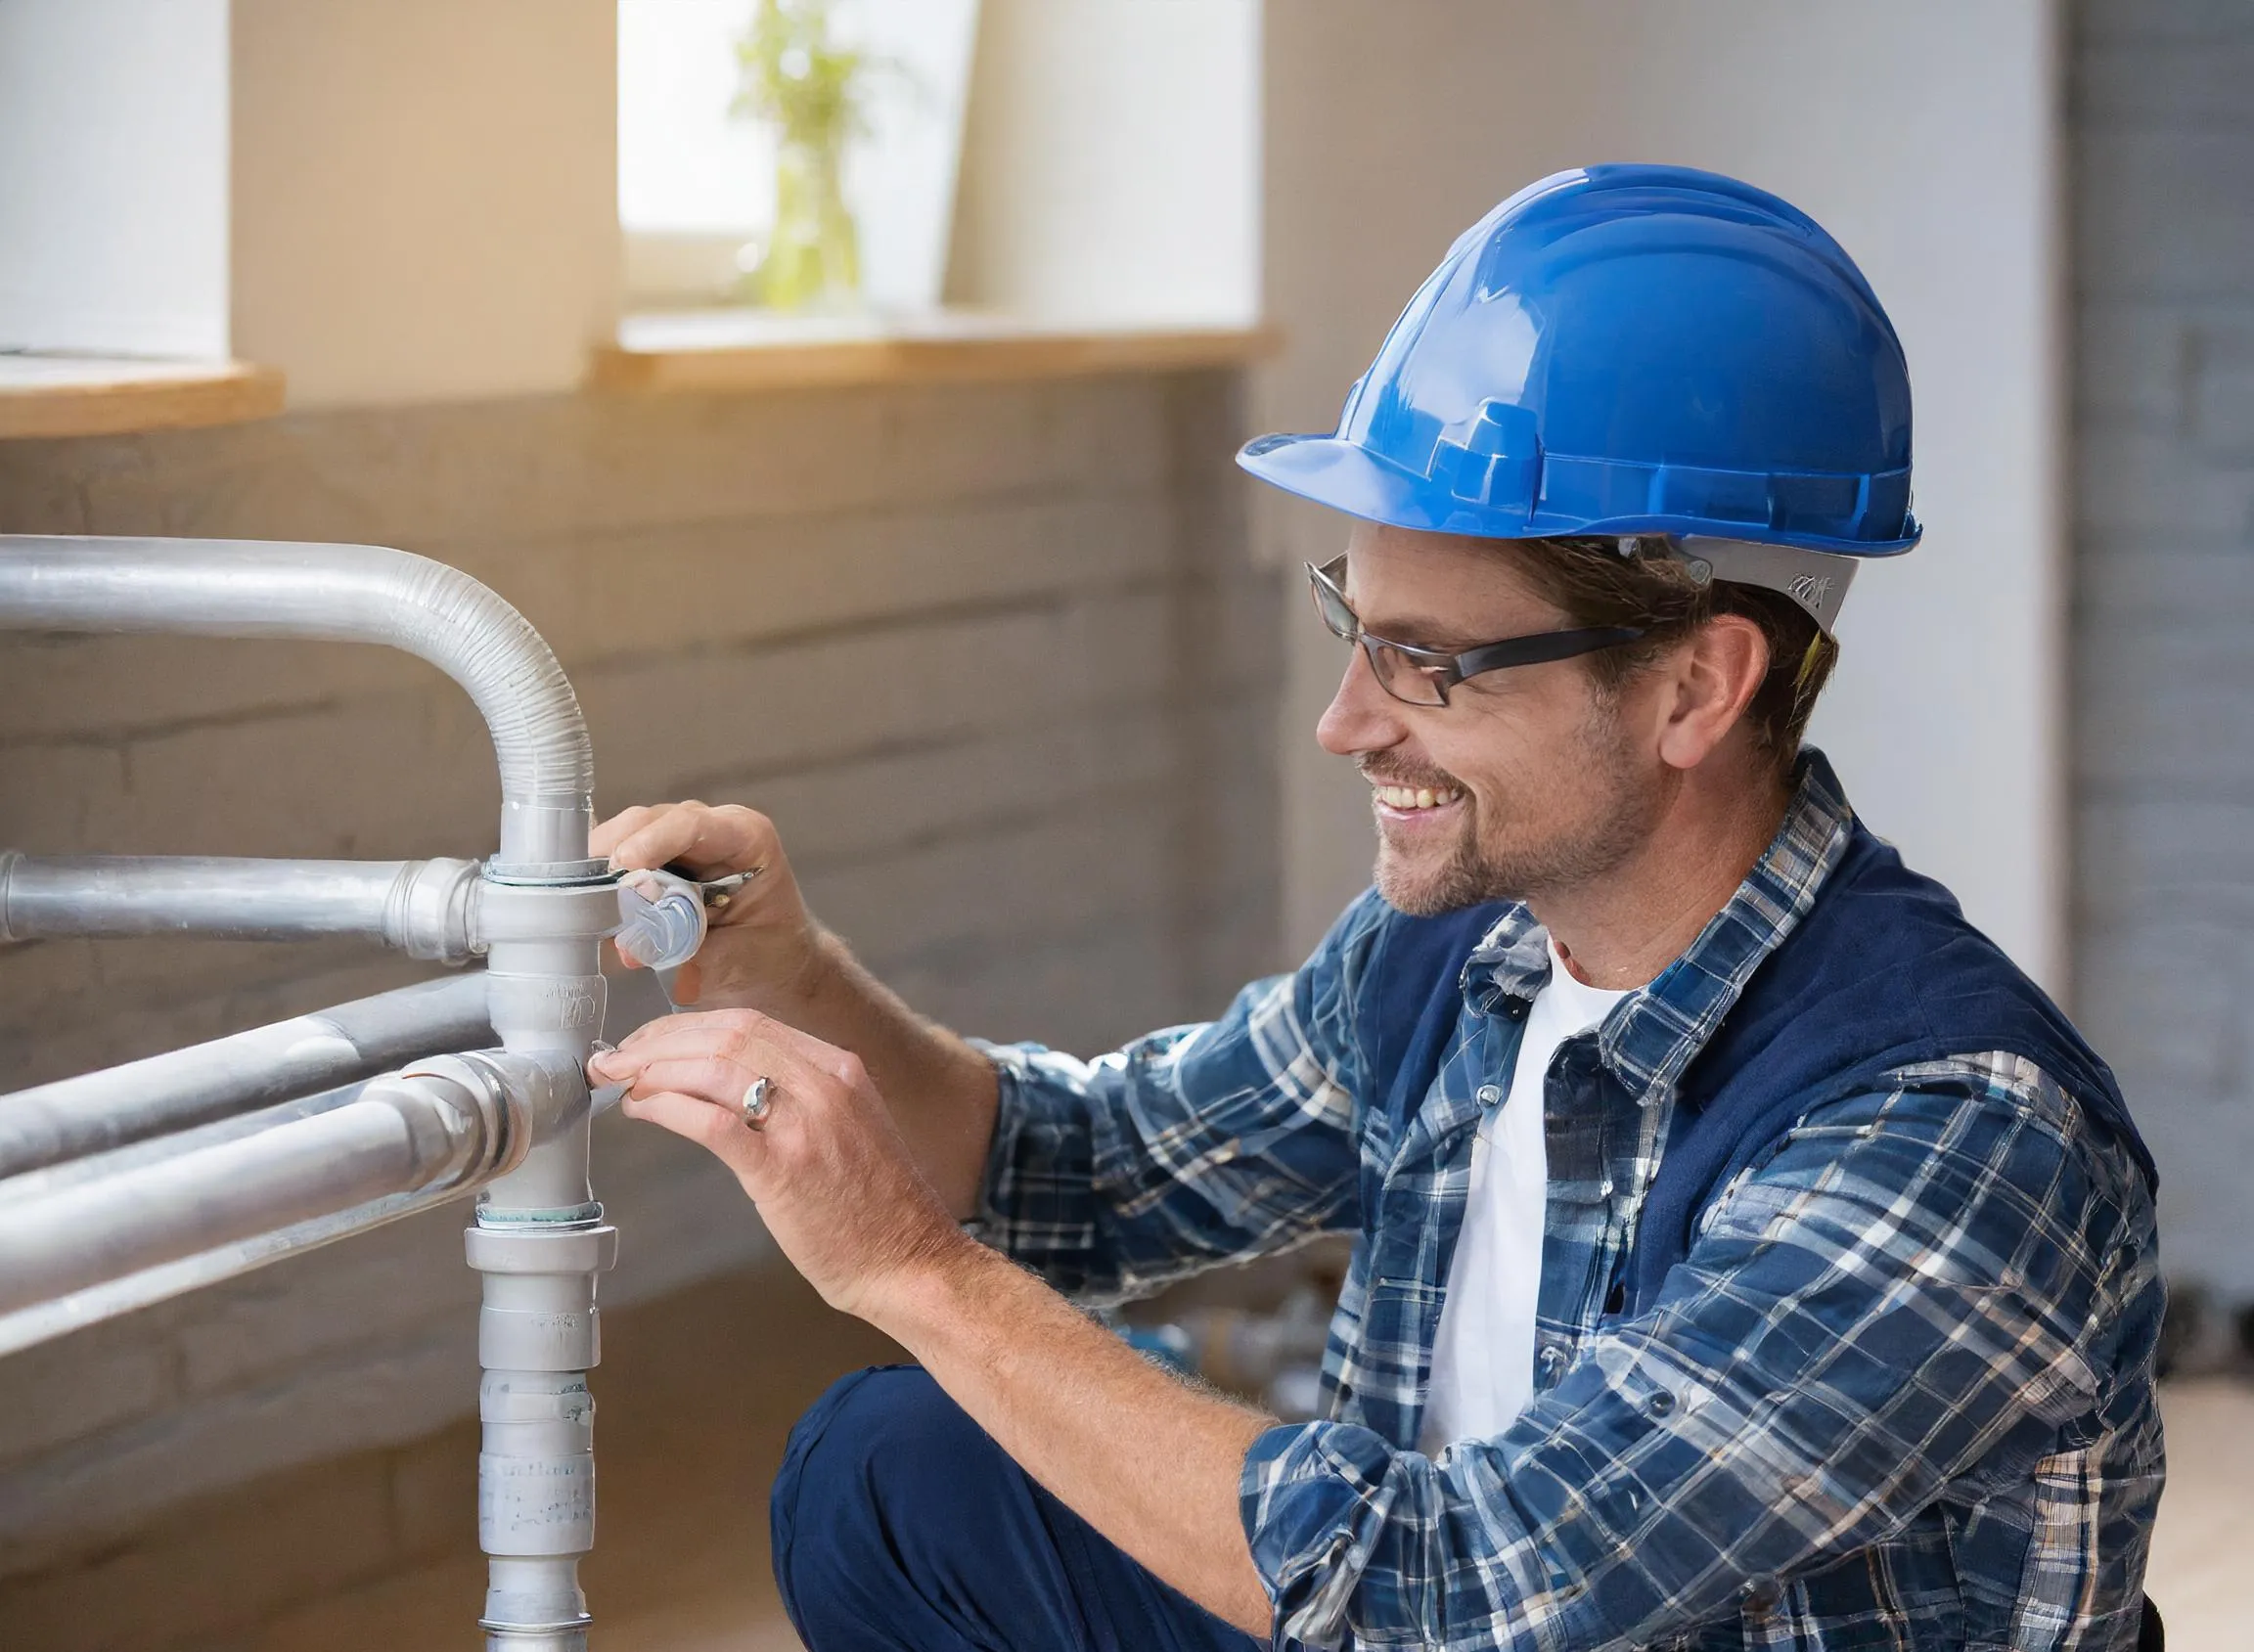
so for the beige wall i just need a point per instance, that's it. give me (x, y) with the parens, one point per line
(425, 203)
(1927, 141)
(1111, 162)
(425, 195)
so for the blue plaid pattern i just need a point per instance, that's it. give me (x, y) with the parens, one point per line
(1900, 1395)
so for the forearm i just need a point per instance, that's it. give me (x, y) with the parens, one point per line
(1147, 1461)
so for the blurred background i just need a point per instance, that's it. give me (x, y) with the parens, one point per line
(848, 393)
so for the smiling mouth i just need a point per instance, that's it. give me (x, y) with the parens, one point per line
(1411, 798)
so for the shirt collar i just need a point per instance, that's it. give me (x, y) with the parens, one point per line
(1653, 1035)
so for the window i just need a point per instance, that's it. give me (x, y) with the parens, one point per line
(113, 203)
(697, 187)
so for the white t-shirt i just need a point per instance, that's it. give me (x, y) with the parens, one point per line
(1483, 1353)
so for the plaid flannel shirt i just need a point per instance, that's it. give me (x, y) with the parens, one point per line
(1900, 1395)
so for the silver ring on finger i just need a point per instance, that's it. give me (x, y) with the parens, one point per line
(758, 1101)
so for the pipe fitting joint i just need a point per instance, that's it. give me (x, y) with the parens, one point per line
(509, 1101)
(544, 912)
(432, 911)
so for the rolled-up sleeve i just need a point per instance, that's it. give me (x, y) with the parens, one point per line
(1910, 1284)
(1189, 1149)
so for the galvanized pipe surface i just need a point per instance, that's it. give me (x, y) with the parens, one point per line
(43, 1322)
(120, 1225)
(97, 1112)
(514, 1099)
(540, 1242)
(425, 908)
(344, 593)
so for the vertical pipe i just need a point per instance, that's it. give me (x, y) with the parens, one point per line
(539, 1242)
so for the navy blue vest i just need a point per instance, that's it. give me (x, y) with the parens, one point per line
(1883, 971)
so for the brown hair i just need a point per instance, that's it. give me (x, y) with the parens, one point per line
(1641, 582)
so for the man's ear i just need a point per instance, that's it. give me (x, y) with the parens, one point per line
(1714, 677)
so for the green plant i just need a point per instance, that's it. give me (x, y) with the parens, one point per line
(812, 93)
(791, 75)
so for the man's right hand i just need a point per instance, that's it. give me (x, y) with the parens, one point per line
(762, 950)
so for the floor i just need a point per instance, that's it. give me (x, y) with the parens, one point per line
(2202, 1548)
(682, 1561)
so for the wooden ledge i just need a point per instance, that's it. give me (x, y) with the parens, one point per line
(719, 351)
(101, 395)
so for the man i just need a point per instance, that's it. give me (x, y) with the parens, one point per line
(1747, 1254)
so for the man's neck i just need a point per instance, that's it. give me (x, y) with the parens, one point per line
(1623, 928)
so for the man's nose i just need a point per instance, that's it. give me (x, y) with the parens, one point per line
(1361, 717)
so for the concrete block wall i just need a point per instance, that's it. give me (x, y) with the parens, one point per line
(2162, 195)
(993, 656)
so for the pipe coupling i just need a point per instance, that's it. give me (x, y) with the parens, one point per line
(509, 1101)
(457, 1120)
(432, 911)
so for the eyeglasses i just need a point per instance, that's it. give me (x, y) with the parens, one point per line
(1424, 675)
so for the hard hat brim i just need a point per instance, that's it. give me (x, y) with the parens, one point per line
(1347, 478)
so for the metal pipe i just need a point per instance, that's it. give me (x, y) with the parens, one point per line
(426, 909)
(180, 1206)
(346, 593)
(539, 1239)
(43, 1322)
(540, 1242)
(542, 1095)
(97, 1112)
(93, 1167)
(445, 1122)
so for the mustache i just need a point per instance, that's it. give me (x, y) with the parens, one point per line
(1380, 772)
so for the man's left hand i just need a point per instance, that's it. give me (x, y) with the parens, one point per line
(826, 1167)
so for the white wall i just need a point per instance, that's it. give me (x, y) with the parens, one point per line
(1110, 164)
(114, 176)
(1927, 141)
(425, 194)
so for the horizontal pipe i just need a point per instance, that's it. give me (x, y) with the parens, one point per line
(533, 1096)
(426, 909)
(178, 1207)
(304, 1055)
(43, 1322)
(342, 593)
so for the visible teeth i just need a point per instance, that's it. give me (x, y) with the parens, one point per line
(1415, 797)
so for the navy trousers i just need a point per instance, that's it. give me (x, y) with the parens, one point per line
(899, 1524)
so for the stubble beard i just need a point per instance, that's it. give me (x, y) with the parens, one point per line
(1483, 865)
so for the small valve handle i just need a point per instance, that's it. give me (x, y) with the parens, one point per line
(660, 919)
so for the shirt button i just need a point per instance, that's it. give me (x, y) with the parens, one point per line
(1761, 1596)
(1661, 1404)
(1488, 1095)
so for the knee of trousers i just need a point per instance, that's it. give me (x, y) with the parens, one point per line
(884, 1452)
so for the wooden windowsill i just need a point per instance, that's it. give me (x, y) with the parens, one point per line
(717, 351)
(55, 395)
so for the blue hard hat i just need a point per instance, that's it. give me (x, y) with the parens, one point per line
(1629, 350)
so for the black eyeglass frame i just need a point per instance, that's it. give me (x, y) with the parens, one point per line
(1444, 670)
